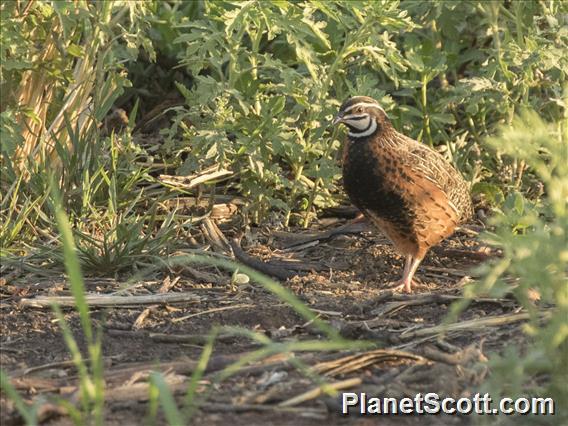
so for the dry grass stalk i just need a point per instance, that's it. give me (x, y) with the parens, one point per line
(351, 363)
(320, 390)
(35, 93)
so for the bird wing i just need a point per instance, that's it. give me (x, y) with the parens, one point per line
(432, 166)
(432, 214)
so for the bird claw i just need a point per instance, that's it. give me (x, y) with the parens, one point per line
(403, 285)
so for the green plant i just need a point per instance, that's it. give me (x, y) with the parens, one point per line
(532, 236)
(61, 65)
(91, 380)
(260, 103)
(61, 71)
(268, 77)
(90, 372)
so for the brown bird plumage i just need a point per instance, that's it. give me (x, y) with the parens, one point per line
(409, 191)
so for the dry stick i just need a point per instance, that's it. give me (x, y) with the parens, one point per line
(421, 299)
(327, 313)
(402, 300)
(470, 230)
(60, 364)
(389, 300)
(140, 391)
(196, 339)
(259, 265)
(211, 406)
(37, 384)
(319, 390)
(214, 235)
(94, 300)
(26, 10)
(210, 311)
(354, 227)
(298, 265)
(449, 271)
(300, 247)
(416, 342)
(457, 253)
(472, 324)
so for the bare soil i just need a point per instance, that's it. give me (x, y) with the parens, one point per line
(347, 285)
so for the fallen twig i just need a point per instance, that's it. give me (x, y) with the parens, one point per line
(354, 227)
(298, 265)
(59, 365)
(259, 265)
(401, 301)
(449, 271)
(213, 310)
(94, 300)
(304, 411)
(196, 339)
(140, 391)
(471, 325)
(457, 253)
(214, 235)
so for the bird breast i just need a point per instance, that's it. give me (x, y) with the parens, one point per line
(367, 181)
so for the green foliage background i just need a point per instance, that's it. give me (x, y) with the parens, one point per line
(483, 82)
(269, 76)
(262, 80)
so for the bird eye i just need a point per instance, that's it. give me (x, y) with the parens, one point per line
(359, 109)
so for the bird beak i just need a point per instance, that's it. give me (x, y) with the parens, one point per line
(338, 119)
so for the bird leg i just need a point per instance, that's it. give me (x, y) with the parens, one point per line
(407, 263)
(410, 266)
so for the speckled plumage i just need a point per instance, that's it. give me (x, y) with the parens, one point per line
(408, 190)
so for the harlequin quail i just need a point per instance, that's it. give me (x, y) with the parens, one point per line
(408, 190)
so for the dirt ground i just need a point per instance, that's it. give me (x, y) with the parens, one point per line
(345, 280)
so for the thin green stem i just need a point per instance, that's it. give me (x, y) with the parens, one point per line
(425, 115)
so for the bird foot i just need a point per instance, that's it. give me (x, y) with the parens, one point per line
(403, 285)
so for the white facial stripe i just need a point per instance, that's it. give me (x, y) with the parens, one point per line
(364, 104)
(355, 116)
(360, 124)
(372, 128)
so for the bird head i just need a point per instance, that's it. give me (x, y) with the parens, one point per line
(362, 115)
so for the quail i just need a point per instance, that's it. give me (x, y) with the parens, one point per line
(406, 189)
